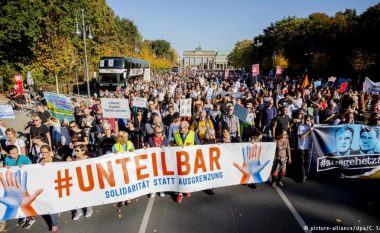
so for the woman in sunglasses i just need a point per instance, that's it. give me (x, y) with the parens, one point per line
(157, 140)
(81, 153)
(47, 157)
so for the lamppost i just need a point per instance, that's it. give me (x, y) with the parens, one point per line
(257, 45)
(308, 54)
(79, 32)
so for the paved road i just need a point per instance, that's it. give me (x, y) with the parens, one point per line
(317, 203)
(237, 209)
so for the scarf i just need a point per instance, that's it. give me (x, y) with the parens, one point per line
(157, 141)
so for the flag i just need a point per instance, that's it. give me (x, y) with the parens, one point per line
(305, 82)
(343, 87)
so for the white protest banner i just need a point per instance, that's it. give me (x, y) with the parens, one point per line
(6, 111)
(139, 102)
(115, 108)
(185, 107)
(118, 177)
(371, 87)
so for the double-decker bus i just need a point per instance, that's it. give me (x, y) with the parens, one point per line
(114, 71)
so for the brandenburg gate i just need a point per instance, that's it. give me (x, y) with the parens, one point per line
(201, 59)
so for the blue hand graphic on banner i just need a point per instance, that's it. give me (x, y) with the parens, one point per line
(16, 194)
(251, 164)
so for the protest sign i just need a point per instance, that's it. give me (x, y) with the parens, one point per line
(60, 106)
(6, 111)
(226, 73)
(317, 83)
(332, 79)
(255, 69)
(234, 94)
(371, 87)
(115, 108)
(242, 113)
(114, 178)
(358, 154)
(19, 87)
(185, 107)
(139, 102)
(343, 87)
(280, 70)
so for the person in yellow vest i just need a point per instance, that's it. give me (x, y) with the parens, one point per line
(123, 143)
(185, 137)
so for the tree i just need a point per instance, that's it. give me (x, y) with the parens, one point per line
(242, 54)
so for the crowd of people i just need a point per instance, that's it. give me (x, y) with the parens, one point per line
(280, 109)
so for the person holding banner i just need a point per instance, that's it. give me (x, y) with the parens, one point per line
(157, 140)
(185, 137)
(47, 157)
(81, 153)
(283, 157)
(17, 159)
(123, 143)
(304, 144)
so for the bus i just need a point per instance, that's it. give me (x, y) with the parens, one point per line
(115, 71)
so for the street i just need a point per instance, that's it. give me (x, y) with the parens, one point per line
(319, 203)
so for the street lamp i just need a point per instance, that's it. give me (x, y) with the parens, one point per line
(274, 56)
(257, 45)
(79, 32)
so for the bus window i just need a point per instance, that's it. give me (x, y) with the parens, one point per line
(109, 78)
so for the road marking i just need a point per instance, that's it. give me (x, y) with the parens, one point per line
(233, 216)
(145, 220)
(296, 215)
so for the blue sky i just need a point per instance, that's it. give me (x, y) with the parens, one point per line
(219, 24)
